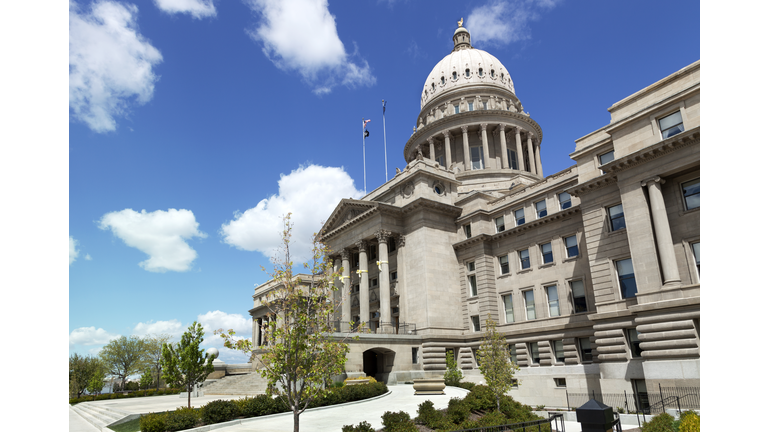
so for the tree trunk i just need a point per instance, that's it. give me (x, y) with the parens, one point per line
(295, 421)
(189, 398)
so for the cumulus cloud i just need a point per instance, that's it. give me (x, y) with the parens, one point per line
(213, 320)
(308, 193)
(301, 36)
(172, 327)
(501, 22)
(110, 63)
(88, 257)
(197, 8)
(73, 251)
(159, 234)
(90, 336)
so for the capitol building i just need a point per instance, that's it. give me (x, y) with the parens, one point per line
(592, 273)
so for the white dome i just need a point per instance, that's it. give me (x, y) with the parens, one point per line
(441, 78)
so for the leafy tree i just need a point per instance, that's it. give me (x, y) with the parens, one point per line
(146, 379)
(452, 374)
(81, 369)
(301, 355)
(96, 382)
(185, 364)
(498, 370)
(154, 351)
(124, 357)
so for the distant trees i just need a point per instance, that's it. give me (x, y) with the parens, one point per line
(124, 356)
(81, 370)
(185, 364)
(154, 354)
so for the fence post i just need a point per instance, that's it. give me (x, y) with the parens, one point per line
(567, 400)
(661, 395)
(678, 405)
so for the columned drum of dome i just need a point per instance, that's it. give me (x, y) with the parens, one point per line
(468, 92)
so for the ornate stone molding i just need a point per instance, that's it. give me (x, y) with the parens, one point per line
(401, 241)
(655, 179)
(383, 235)
(344, 253)
(362, 245)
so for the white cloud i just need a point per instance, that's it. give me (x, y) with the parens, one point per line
(214, 320)
(309, 194)
(159, 234)
(88, 257)
(73, 252)
(90, 336)
(501, 22)
(172, 327)
(110, 63)
(300, 35)
(197, 8)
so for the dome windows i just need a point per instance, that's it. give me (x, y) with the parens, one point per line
(493, 73)
(433, 86)
(454, 75)
(480, 72)
(442, 80)
(466, 72)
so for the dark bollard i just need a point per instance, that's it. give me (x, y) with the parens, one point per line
(595, 417)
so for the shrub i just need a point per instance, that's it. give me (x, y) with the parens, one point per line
(467, 385)
(480, 398)
(182, 418)
(469, 424)
(458, 411)
(452, 374)
(219, 411)
(690, 422)
(258, 406)
(361, 427)
(494, 418)
(152, 422)
(398, 422)
(660, 423)
(515, 411)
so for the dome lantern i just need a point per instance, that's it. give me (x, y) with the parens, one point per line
(461, 37)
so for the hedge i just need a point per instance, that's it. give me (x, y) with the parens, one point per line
(138, 393)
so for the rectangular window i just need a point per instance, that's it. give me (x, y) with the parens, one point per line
(485, 105)
(509, 313)
(471, 266)
(553, 300)
(691, 194)
(571, 246)
(579, 296)
(560, 382)
(546, 253)
(504, 264)
(696, 255)
(355, 260)
(533, 347)
(585, 347)
(476, 323)
(634, 342)
(393, 276)
(559, 352)
(471, 106)
(472, 285)
(440, 161)
(512, 157)
(514, 383)
(500, 224)
(616, 215)
(565, 200)
(513, 354)
(455, 109)
(627, 284)
(356, 288)
(541, 209)
(520, 216)
(415, 355)
(392, 246)
(476, 154)
(525, 260)
(606, 157)
(374, 282)
(468, 230)
(671, 125)
(530, 306)
(372, 249)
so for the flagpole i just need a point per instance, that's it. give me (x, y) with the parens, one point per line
(365, 185)
(384, 121)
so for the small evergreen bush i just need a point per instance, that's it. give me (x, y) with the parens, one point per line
(467, 385)
(182, 418)
(219, 411)
(660, 423)
(258, 406)
(689, 422)
(458, 411)
(361, 427)
(493, 418)
(398, 422)
(152, 422)
(481, 398)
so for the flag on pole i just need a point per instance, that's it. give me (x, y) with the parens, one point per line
(383, 106)
(365, 123)
(366, 134)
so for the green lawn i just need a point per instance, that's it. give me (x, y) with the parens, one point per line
(129, 426)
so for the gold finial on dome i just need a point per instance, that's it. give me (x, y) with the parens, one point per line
(461, 21)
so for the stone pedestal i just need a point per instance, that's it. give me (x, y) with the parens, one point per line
(429, 386)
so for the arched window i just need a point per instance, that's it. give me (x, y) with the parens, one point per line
(454, 74)
(426, 93)
(433, 86)
(442, 80)
(493, 73)
(480, 72)
(466, 72)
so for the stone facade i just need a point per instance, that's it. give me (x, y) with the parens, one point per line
(592, 273)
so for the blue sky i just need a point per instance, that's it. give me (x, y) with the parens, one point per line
(193, 125)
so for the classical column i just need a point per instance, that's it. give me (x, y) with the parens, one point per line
(504, 157)
(401, 278)
(538, 158)
(664, 244)
(448, 159)
(531, 160)
(486, 153)
(431, 149)
(384, 299)
(467, 158)
(254, 332)
(346, 300)
(519, 149)
(365, 302)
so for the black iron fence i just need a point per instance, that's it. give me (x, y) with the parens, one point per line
(554, 423)
(650, 402)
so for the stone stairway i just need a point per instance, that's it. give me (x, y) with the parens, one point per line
(99, 415)
(247, 384)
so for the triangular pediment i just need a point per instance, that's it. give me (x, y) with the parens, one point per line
(347, 210)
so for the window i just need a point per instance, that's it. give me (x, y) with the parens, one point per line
(455, 107)
(565, 200)
(356, 288)
(372, 249)
(471, 106)
(509, 313)
(616, 214)
(392, 246)
(671, 125)
(433, 86)
(541, 209)
(696, 255)
(374, 282)
(512, 156)
(440, 161)
(691, 194)
(546, 253)
(571, 246)
(579, 296)
(476, 323)
(627, 284)
(468, 230)
(471, 266)
(493, 73)
(355, 260)
(485, 105)
(513, 354)
(634, 342)
(466, 73)
(500, 224)
(476, 154)
(477, 357)
(442, 80)
(585, 347)
(415, 355)
(525, 260)
(533, 347)
(393, 276)
(606, 157)
(480, 72)
(559, 353)
(530, 306)
(504, 264)
(471, 279)
(454, 75)
(554, 302)
(520, 216)
(560, 382)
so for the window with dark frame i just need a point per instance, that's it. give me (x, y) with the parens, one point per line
(520, 216)
(541, 209)
(616, 216)
(606, 157)
(391, 244)
(559, 352)
(374, 282)
(533, 347)
(546, 253)
(475, 323)
(415, 355)
(565, 200)
(579, 296)
(504, 264)
(512, 157)
(499, 224)
(471, 279)
(372, 252)
(525, 259)
(585, 347)
(691, 194)
(560, 382)
(393, 276)
(627, 284)
(513, 353)
(671, 125)
(468, 230)
(571, 246)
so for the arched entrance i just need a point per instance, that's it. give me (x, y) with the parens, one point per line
(378, 362)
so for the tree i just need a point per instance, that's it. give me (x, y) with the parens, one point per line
(495, 365)
(154, 349)
(185, 363)
(96, 382)
(301, 355)
(81, 369)
(124, 357)
(452, 374)
(146, 379)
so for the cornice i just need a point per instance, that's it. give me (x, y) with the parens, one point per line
(438, 207)
(643, 112)
(532, 186)
(592, 185)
